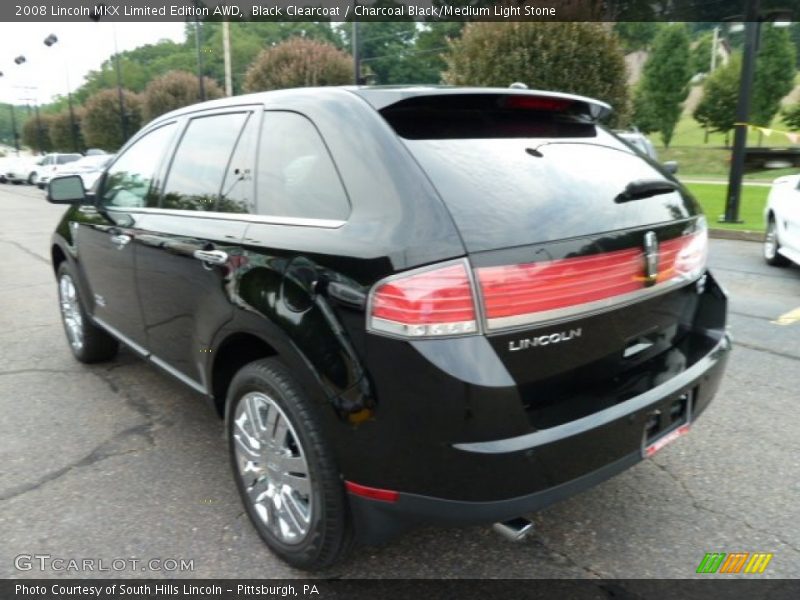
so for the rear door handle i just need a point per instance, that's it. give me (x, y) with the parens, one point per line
(212, 257)
(121, 240)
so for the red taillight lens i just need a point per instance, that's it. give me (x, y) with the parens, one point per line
(527, 293)
(433, 302)
(683, 257)
(544, 103)
(509, 291)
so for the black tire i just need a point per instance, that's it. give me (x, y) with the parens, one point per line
(32, 177)
(329, 534)
(96, 344)
(772, 244)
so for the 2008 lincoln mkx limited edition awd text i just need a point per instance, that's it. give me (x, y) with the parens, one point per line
(409, 304)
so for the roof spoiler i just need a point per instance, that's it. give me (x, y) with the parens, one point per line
(383, 97)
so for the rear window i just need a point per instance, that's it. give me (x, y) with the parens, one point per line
(517, 177)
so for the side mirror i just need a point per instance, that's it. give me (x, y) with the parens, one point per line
(66, 190)
(671, 167)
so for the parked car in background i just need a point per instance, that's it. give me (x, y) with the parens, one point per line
(88, 167)
(782, 216)
(43, 169)
(641, 142)
(18, 168)
(409, 304)
(4, 162)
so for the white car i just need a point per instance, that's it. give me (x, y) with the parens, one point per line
(88, 167)
(782, 215)
(43, 169)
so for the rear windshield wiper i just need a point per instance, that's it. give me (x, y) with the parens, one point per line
(645, 188)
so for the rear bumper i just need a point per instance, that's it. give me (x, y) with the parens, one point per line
(608, 442)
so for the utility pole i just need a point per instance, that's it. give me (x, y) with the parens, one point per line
(122, 113)
(49, 41)
(356, 56)
(226, 54)
(199, 60)
(13, 124)
(752, 30)
(714, 42)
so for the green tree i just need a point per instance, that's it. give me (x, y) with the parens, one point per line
(385, 48)
(299, 62)
(643, 111)
(791, 116)
(775, 72)
(102, 125)
(61, 131)
(577, 57)
(666, 77)
(636, 35)
(36, 133)
(175, 89)
(716, 111)
(701, 53)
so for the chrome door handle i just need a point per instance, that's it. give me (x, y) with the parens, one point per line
(120, 240)
(212, 257)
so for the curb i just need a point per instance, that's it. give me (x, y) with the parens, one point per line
(733, 234)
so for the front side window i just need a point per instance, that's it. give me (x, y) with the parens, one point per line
(296, 175)
(195, 177)
(129, 180)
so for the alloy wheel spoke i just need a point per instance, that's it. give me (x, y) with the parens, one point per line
(298, 510)
(293, 464)
(301, 485)
(258, 490)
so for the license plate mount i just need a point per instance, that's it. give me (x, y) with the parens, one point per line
(667, 423)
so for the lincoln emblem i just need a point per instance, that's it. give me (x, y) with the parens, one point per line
(650, 258)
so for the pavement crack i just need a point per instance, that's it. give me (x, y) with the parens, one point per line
(37, 370)
(108, 449)
(758, 348)
(570, 560)
(699, 505)
(27, 251)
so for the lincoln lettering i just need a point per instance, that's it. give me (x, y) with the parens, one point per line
(545, 340)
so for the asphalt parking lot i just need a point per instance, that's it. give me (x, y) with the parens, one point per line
(118, 460)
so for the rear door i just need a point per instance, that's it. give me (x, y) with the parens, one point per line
(581, 250)
(188, 241)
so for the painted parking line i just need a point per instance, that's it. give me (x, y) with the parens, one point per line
(789, 318)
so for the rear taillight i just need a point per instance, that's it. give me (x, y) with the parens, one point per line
(535, 292)
(439, 301)
(684, 257)
(429, 302)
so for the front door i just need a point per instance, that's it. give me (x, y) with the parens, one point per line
(105, 242)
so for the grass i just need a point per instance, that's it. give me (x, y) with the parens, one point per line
(751, 205)
(712, 163)
(701, 159)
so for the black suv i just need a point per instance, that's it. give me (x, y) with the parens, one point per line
(410, 304)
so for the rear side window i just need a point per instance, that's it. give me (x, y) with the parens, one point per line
(129, 180)
(63, 159)
(201, 160)
(296, 175)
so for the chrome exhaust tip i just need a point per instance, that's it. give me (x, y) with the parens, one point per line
(514, 530)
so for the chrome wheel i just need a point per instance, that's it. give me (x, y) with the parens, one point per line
(71, 311)
(771, 241)
(273, 467)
